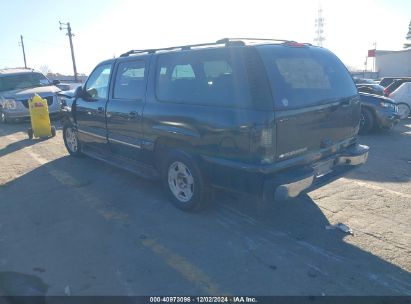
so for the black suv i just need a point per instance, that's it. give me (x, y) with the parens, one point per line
(268, 117)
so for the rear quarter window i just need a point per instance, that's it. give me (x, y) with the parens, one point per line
(306, 76)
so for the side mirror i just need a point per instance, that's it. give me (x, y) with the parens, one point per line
(79, 92)
(56, 82)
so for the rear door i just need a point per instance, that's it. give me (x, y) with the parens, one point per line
(90, 108)
(315, 100)
(125, 107)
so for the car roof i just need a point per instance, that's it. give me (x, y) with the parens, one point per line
(16, 71)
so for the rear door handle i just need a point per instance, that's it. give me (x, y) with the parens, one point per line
(100, 110)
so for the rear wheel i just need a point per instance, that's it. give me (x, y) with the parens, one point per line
(184, 182)
(403, 110)
(366, 121)
(71, 141)
(30, 133)
(53, 131)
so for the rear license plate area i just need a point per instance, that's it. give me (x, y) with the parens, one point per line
(323, 168)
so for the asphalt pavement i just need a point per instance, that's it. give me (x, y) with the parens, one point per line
(80, 227)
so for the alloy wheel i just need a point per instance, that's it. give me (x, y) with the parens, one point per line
(181, 181)
(71, 140)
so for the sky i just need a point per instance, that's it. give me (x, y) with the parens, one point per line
(107, 28)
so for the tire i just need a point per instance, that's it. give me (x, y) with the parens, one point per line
(184, 182)
(71, 141)
(30, 133)
(404, 110)
(366, 121)
(53, 131)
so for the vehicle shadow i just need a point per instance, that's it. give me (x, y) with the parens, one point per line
(15, 127)
(18, 145)
(279, 249)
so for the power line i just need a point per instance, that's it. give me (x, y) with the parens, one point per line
(45, 42)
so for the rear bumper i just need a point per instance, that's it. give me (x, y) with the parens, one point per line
(294, 182)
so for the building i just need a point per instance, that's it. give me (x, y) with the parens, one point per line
(393, 63)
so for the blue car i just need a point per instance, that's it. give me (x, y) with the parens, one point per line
(377, 112)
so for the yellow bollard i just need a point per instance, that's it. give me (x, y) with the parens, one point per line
(40, 118)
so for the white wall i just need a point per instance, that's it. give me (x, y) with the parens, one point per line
(392, 64)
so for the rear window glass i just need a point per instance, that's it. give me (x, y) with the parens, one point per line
(303, 77)
(303, 73)
(202, 77)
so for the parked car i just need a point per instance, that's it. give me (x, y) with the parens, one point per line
(395, 85)
(402, 96)
(386, 81)
(68, 86)
(17, 86)
(377, 112)
(271, 118)
(368, 86)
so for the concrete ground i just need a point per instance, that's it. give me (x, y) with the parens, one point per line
(80, 227)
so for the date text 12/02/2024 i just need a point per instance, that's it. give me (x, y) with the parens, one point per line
(205, 299)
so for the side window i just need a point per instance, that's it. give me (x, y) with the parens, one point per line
(97, 83)
(129, 83)
(206, 77)
(182, 71)
(214, 69)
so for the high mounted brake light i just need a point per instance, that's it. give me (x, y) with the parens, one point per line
(295, 44)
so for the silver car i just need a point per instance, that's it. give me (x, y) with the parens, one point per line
(17, 86)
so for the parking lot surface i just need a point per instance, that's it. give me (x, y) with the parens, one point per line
(80, 227)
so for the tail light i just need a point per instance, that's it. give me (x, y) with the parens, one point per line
(386, 92)
(263, 140)
(267, 137)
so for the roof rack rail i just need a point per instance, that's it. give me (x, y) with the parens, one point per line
(225, 41)
(136, 52)
(185, 47)
(228, 40)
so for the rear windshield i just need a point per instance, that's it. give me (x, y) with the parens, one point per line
(302, 77)
(22, 81)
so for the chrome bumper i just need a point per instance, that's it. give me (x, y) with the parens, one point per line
(353, 157)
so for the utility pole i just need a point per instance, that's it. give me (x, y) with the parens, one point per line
(66, 26)
(375, 55)
(24, 53)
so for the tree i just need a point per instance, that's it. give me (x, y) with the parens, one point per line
(407, 44)
(44, 68)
